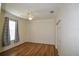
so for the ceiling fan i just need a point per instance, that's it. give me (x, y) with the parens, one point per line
(30, 16)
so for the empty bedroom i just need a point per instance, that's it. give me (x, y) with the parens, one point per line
(39, 29)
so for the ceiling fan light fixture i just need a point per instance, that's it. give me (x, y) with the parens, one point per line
(30, 18)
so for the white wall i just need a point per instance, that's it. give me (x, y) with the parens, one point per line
(42, 31)
(68, 30)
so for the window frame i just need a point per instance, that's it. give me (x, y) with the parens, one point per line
(15, 26)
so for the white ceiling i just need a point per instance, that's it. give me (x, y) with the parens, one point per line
(39, 10)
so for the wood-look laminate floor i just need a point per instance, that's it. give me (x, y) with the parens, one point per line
(31, 49)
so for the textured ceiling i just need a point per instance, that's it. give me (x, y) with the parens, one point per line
(39, 10)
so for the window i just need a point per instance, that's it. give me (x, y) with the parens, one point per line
(12, 25)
